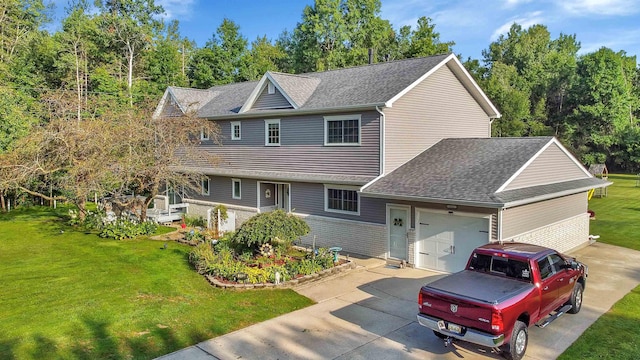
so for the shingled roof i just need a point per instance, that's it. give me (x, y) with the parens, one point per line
(356, 87)
(471, 172)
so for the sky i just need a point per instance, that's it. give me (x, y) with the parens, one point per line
(471, 24)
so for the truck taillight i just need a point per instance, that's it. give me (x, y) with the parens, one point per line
(420, 300)
(496, 322)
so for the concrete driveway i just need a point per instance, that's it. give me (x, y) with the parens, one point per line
(371, 314)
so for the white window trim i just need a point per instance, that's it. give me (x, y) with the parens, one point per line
(202, 190)
(233, 133)
(266, 132)
(204, 135)
(233, 188)
(271, 89)
(340, 118)
(340, 187)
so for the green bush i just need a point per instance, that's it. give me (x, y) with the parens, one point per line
(195, 221)
(124, 228)
(271, 226)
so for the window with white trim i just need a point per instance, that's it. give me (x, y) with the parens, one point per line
(204, 135)
(342, 130)
(236, 133)
(271, 89)
(236, 189)
(204, 186)
(342, 199)
(272, 132)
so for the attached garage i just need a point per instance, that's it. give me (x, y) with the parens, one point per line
(495, 189)
(445, 240)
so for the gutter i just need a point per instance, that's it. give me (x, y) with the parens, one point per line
(289, 112)
(483, 204)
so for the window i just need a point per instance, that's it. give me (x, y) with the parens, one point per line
(342, 130)
(271, 89)
(272, 132)
(235, 130)
(205, 187)
(236, 189)
(204, 135)
(342, 199)
(545, 268)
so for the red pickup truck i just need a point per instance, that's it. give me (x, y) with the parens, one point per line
(505, 289)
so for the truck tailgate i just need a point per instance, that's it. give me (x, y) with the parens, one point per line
(480, 287)
(467, 298)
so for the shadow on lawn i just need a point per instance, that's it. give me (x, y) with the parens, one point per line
(101, 344)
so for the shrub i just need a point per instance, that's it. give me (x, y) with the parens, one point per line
(265, 227)
(124, 228)
(195, 221)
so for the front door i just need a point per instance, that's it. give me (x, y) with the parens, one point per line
(282, 197)
(398, 225)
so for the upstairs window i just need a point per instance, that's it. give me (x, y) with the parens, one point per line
(205, 187)
(342, 130)
(342, 200)
(236, 133)
(272, 132)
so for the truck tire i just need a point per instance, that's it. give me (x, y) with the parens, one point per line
(518, 344)
(576, 299)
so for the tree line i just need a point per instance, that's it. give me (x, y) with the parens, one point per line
(84, 86)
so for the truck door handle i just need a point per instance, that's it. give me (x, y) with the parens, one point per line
(546, 288)
(424, 253)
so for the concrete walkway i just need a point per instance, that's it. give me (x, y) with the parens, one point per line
(370, 313)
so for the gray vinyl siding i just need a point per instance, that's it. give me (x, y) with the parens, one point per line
(271, 101)
(170, 109)
(525, 218)
(437, 108)
(301, 147)
(220, 191)
(551, 166)
(308, 198)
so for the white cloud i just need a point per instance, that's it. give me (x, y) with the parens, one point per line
(600, 7)
(177, 9)
(525, 21)
(616, 40)
(512, 3)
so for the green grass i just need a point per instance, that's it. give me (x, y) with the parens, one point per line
(618, 215)
(616, 334)
(68, 294)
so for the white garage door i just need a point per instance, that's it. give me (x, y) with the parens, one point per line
(445, 241)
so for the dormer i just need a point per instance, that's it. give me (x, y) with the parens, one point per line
(280, 91)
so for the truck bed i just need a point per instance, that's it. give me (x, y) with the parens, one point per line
(480, 287)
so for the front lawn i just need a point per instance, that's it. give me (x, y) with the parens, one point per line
(618, 215)
(615, 335)
(68, 294)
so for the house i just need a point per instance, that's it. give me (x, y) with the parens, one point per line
(392, 160)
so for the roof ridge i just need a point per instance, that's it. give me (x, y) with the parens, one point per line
(187, 88)
(380, 63)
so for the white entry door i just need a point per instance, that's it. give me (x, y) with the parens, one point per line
(398, 218)
(445, 241)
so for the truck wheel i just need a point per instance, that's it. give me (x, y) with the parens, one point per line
(576, 299)
(518, 344)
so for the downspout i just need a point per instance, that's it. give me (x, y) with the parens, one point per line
(382, 139)
(500, 240)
